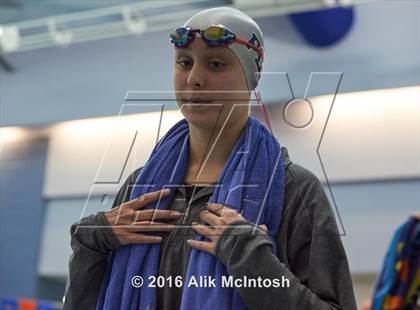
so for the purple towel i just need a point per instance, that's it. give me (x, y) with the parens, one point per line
(252, 182)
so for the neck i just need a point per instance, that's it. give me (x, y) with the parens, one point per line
(210, 148)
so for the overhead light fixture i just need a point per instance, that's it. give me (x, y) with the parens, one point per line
(135, 18)
(135, 25)
(61, 36)
(9, 38)
(330, 3)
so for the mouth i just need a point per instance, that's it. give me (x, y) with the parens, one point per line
(198, 101)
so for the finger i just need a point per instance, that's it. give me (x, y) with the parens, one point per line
(136, 238)
(147, 198)
(216, 208)
(210, 218)
(150, 226)
(201, 245)
(154, 214)
(204, 230)
(263, 227)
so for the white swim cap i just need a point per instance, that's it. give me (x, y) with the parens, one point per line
(244, 27)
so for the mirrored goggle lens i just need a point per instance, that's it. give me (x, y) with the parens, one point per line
(217, 34)
(180, 36)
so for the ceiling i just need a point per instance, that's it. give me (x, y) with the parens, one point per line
(33, 24)
(13, 11)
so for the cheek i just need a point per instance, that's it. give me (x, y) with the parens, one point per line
(235, 95)
(178, 79)
(179, 85)
(234, 88)
(232, 80)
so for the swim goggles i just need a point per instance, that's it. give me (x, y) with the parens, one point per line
(214, 35)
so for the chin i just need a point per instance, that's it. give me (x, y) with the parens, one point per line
(201, 115)
(207, 116)
(202, 120)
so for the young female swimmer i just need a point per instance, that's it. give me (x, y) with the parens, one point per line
(229, 222)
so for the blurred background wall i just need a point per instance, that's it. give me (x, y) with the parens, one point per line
(69, 116)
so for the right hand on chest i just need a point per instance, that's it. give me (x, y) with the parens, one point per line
(129, 221)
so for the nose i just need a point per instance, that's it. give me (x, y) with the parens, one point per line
(196, 77)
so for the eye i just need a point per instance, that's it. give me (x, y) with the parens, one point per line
(215, 64)
(184, 63)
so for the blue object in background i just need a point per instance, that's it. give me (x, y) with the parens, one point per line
(323, 27)
(8, 304)
(44, 306)
(12, 304)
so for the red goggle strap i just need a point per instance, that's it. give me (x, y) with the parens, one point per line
(246, 43)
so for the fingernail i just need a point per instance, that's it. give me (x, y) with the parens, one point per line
(166, 191)
(175, 213)
(195, 223)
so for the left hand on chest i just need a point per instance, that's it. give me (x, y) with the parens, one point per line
(219, 218)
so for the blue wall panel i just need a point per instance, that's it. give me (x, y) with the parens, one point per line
(22, 167)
